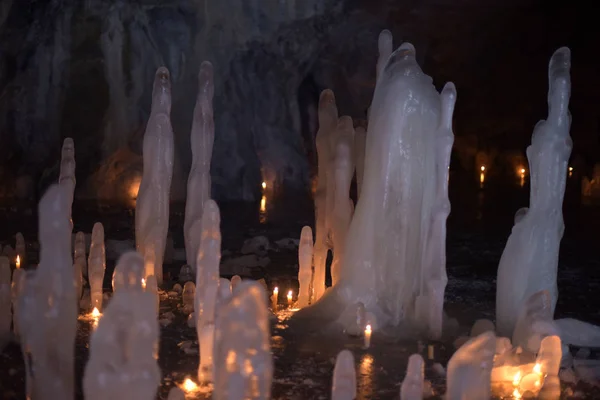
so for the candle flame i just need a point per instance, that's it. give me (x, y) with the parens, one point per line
(95, 313)
(276, 291)
(143, 283)
(516, 394)
(264, 185)
(18, 263)
(263, 204)
(482, 168)
(189, 385)
(289, 294)
(368, 329)
(570, 169)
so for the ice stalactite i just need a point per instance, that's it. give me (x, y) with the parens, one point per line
(403, 206)
(201, 139)
(529, 262)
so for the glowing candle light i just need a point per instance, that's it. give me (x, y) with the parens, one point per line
(537, 369)
(570, 171)
(264, 185)
(481, 177)
(275, 292)
(143, 283)
(516, 394)
(263, 204)
(95, 317)
(482, 168)
(189, 385)
(430, 352)
(289, 298)
(274, 298)
(517, 379)
(18, 262)
(95, 313)
(368, 333)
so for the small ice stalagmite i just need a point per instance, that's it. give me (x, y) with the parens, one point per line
(97, 265)
(328, 119)
(80, 253)
(305, 257)
(225, 290)
(207, 287)
(20, 248)
(550, 355)
(395, 241)
(529, 262)
(152, 206)
(5, 301)
(412, 385)
(534, 322)
(78, 279)
(202, 139)
(243, 361)
(235, 281)
(123, 348)
(360, 144)
(129, 272)
(344, 377)
(342, 171)
(66, 179)
(385, 45)
(49, 321)
(470, 369)
(176, 394)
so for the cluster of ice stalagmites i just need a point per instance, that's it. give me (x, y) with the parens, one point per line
(201, 140)
(123, 348)
(152, 206)
(47, 306)
(97, 265)
(530, 259)
(207, 287)
(243, 361)
(394, 248)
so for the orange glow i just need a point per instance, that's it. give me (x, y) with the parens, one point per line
(264, 185)
(482, 168)
(189, 385)
(18, 262)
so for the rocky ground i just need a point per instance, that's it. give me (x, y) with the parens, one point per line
(477, 231)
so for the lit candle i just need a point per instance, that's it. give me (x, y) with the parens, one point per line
(143, 283)
(189, 386)
(263, 204)
(264, 185)
(18, 262)
(481, 177)
(482, 168)
(289, 298)
(274, 298)
(368, 332)
(570, 171)
(95, 317)
(517, 379)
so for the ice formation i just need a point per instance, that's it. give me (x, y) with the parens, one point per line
(5, 300)
(243, 361)
(470, 368)
(123, 348)
(534, 322)
(412, 385)
(80, 253)
(344, 377)
(225, 290)
(26, 323)
(530, 259)
(207, 286)
(129, 272)
(202, 138)
(235, 281)
(66, 179)
(48, 312)
(152, 206)
(78, 279)
(395, 246)
(550, 355)
(96, 265)
(305, 257)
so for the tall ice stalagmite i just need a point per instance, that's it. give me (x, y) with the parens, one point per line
(529, 262)
(201, 140)
(395, 245)
(152, 206)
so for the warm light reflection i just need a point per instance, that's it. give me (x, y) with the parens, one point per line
(570, 171)
(263, 204)
(276, 291)
(482, 168)
(189, 385)
(18, 262)
(521, 173)
(481, 178)
(95, 314)
(264, 185)
(517, 379)
(143, 283)
(289, 298)
(134, 187)
(537, 369)
(516, 394)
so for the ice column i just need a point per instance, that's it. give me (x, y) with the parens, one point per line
(207, 287)
(5, 300)
(402, 206)
(305, 256)
(328, 119)
(344, 377)
(342, 168)
(202, 138)
(470, 369)
(123, 348)
(243, 361)
(66, 179)
(412, 386)
(97, 265)
(49, 311)
(529, 262)
(80, 253)
(152, 206)
(129, 272)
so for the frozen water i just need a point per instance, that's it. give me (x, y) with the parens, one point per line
(97, 265)
(66, 179)
(344, 377)
(550, 355)
(305, 257)
(530, 259)
(129, 272)
(534, 322)
(80, 253)
(412, 385)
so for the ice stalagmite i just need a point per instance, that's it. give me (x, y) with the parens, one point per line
(123, 348)
(5, 301)
(243, 361)
(201, 139)
(328, 119)
(342, 171)
(530, 259)
(385, 46)
(152, 206)
(129, 272)
(412, 385)
(207, 287)
(97, 265)
(49, 310)
(66, 179)
(344, 377)
(395, 243)
(470, 369)
(305, 257)
(235, 281)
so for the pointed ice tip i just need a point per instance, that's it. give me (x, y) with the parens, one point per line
(206, 71)
(211, 211)
(327, 96)
(162, 75)
(407, 48)
(344, 360)
(306, 234)
(385, 41)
